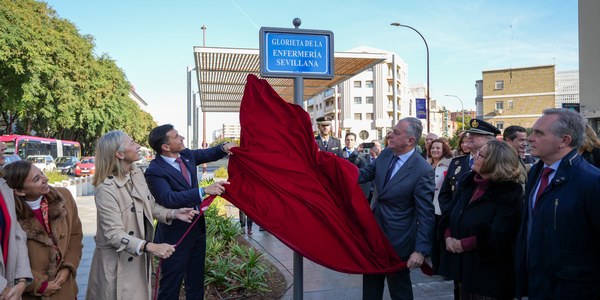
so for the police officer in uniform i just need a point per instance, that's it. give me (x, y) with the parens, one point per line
(325, 141)
(479, 134)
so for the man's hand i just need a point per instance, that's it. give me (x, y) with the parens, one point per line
(227, 147)
(415, 260)
(217, 188)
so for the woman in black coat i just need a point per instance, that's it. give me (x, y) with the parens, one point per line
(480, 231)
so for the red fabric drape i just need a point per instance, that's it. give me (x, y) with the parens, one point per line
(308, 199)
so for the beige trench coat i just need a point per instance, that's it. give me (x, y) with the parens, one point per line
(17, 263)
(125, 211)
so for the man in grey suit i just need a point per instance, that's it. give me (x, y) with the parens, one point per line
(402, 205)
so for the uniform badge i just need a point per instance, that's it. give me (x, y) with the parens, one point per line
(456, 162)
(457, 170)
(474, 123)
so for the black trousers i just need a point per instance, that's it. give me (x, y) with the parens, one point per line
(399, 285)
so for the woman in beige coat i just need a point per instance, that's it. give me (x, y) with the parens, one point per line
(15, 273)
(49, 217)
(122, 263)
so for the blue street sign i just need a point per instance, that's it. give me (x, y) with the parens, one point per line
(421, 108)
(286, 52)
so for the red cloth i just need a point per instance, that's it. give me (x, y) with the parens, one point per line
(4, 234)
(308, 199)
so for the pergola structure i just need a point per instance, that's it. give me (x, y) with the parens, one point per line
(222, 72)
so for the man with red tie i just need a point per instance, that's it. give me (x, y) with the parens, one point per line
(173, 181)
(558, 246)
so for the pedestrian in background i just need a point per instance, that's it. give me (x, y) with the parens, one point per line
(462, 148)
(480, 231)
(122, 262)
(49, 217)
(15, 272)
(590, 150)
(440, 157)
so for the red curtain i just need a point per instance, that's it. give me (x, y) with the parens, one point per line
(307, 198)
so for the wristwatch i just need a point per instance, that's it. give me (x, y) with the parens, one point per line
(27, 281)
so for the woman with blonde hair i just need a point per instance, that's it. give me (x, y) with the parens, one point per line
(122, 262)
(480, 231)
(49, 217)
(590, 150)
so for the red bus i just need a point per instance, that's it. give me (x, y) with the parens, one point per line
(24, 146)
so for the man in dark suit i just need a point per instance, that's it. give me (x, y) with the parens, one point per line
(402, 205)
(173, 181)
(325, 141)
(558, 246)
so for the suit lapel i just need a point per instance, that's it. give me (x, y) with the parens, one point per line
(172, 171)
(402, 173)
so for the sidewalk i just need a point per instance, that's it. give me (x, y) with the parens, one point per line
(318, 282)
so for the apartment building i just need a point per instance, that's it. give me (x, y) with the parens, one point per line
(517, 96)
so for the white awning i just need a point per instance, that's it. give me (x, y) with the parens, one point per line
(222, 73)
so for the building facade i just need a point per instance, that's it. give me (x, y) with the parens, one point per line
(516, 96)
(364, 104)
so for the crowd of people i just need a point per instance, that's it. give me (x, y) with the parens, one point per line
(497, 223)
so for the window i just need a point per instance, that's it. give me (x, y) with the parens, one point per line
(499, 85)
(357, 84)
(511, 104)
(358, 116)
(357, 100)
(369, 83)
(369, 100)
(499, 105)
(369, 116)
(500, 125)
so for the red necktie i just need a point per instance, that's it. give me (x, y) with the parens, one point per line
(184, 170)
(543, 183)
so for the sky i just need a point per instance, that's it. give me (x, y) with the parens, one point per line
(152, 41)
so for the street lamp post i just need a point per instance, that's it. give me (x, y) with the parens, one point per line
(462, 108)
(428, 91)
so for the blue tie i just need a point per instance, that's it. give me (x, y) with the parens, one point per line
(470, 162)
(389, 172)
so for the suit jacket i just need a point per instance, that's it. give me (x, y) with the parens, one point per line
(171, 190)
(558, 246)
(17, 263)
(459, 166)
(403, 207)
(333, 145)
(360, 160)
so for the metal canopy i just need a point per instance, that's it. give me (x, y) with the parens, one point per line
(222, 72)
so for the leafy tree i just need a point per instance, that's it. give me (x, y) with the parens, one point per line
(52, 84)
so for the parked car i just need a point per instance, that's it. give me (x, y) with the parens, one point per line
(85, 167)
(43, 162)
(66, 164)
(10, 159)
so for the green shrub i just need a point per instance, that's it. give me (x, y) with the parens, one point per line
(221, 173)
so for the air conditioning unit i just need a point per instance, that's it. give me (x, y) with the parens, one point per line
(498, 111)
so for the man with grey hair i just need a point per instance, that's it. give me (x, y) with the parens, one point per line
(402, 205)
(558, 246)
